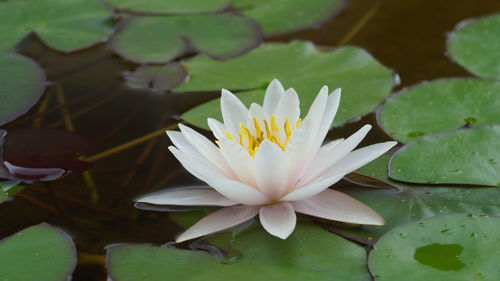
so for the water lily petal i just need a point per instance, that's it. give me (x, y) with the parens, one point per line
(217, 128)
(260, 114)
(187, 197)
(239, 159)
(234, 112)
(231, 189)
(288, 107)
(325, 149)
(274, 93)
(270, 170)
(207, 149)
(278, 219)
(219, 220)
(334, 205)
(312, 189)
(331, 108)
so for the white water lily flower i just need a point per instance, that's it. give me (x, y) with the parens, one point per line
(268, 161)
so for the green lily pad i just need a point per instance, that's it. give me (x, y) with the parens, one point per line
(453, 247)
(364, 81)
(404, 202)
(465, 156)
(63, 25)
(169, 6)
(158, 78)
(310, 253)
(162, 39)
(22, 83)
(475, 46)
(41, 252)
(438, 106)
(8, 189)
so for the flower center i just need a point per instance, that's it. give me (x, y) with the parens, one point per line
(271, 132)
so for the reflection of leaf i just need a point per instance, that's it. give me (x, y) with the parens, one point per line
(161, 39)
(475, 45)
(309, 253)
(452, 247)
(41, 252)
(157, 78)
(364, 81)
(466, 156)
(61, 24)
(169, 6)
(22, 83)
(440, 105)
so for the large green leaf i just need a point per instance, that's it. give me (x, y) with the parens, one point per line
(310, 253)
(22, 83)
(440, 105)
(169, 6)
(455, 247)
(364, 81)
(161, 39)
(63, 25)
(41, 252)
(404, 202)
(475, 45)
(465, 156)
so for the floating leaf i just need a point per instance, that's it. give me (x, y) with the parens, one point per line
(475, 45)
(157, 78)
(452, 247)
(309, 253)
(161, 39)
(61, 24)
(466, 156)
(169, 6)
(438, 106)
(8, 189)
(41, 252)
(22, 83)
(364, 81)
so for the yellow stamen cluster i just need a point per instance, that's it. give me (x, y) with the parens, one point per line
(271, 133)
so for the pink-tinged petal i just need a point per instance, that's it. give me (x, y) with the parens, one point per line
(334, 156)
(217, 128)
(274, 93)
(234, 112)
(289, 107)
(359, 157)
(331, 108)
(207, 149)
(334, 205)
(312, 189)
(270, 170)
(239, 159)
(219, 220)
(187, 197)
(278, 219)
(231, 189)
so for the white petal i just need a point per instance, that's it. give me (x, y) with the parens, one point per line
(274, 93)
(258, 112)
(45, 174)
(234, 112)
(207, 149)
(231, 189)
(239, 159)
(288, 107)
(334, 156)
(333, 205)
(331, 108)
(278, 219)
(325, 149)
(311, 189)
(217, 128)
(219, 220)
(182, 144)
(187, 197)
(270, 170)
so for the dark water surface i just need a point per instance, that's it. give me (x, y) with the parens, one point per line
(408, 36)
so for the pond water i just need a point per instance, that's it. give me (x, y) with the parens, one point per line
(407, 36)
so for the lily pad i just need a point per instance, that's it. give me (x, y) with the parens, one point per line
(300, 65)
(475, 46)
(157, 78)
(8, 189)
(441, 105)
(309, 253)
(162, 39)
(22, 83)
(453, 247)
(465, 156)
(41, 252)
(169, 6)
(63, 25)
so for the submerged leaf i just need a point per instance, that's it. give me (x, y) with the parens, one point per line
(169, 6)
(157, 78)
